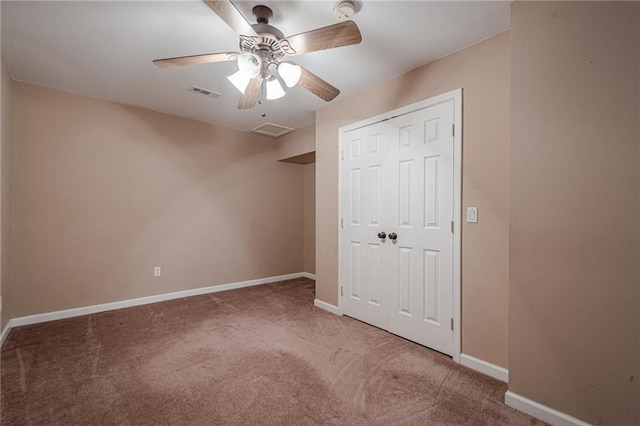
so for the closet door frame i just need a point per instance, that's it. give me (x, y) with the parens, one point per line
(456, 97)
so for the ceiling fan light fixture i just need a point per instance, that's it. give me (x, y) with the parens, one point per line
(290, 73)
(239, 80)
(274, 89)
(249, 64)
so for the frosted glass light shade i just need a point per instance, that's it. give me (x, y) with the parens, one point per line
(290, 73)
(249, 64)
(239, 80)
(274, 89)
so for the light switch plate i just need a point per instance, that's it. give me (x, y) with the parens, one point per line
(156, 271)
(472, 215)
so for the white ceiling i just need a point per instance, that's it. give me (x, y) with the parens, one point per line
(104, 49)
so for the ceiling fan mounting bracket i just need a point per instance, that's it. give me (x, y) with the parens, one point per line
(262, 14)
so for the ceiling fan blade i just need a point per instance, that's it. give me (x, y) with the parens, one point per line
(232, 16)
(251, 94)
(337, 35)
(318, 86)
(196, 59)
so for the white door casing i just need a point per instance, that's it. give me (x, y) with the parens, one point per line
(400, 173)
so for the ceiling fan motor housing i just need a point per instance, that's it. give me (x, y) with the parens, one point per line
(267, 44)
(268, 39)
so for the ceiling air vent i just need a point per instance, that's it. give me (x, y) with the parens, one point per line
(205, 92)
(272, 130)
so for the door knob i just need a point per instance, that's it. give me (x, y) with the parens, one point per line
(393, 236)
(382, 235)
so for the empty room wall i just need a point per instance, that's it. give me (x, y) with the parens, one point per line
(574, 312)
(5, 191)
(104, 192)
(483, 72)
(299, 147)
(310, 218)
(298, 142)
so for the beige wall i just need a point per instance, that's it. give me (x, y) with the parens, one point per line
(299, 146)
(574, 208)
(483, 71)
(298, 142)
(5, 190)
(104, 192)
(310, 218)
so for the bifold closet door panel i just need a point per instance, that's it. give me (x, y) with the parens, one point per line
(421, 287)
(367, 153)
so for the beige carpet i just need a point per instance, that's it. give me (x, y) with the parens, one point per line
(259, 355)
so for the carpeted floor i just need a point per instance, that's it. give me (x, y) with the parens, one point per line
(258, 355)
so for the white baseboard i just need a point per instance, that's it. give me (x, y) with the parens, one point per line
(5, 332)
(542, 412)
(308, 275)
(76, 312)
(485, 367)
(327, 307)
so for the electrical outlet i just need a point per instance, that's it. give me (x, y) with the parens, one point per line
(156, 271)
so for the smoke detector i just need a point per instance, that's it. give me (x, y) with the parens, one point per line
(344, 10)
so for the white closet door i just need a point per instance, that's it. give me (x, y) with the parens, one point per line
(364, 274)
(397, 178)
(421, 266)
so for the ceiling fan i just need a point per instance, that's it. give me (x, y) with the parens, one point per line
(264, 47)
